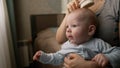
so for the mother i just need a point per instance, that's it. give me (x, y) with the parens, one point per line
(108, 15)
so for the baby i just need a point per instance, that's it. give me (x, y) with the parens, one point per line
(80, 28)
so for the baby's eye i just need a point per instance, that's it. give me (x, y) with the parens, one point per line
(67, 26)
(74, 25)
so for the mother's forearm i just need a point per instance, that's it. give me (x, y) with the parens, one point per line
(60, 35)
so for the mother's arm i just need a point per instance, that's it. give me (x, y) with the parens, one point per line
(76, 61)
(60, 35)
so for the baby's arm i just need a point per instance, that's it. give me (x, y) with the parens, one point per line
(51, 58)
(114, 56)
(111, 56)
(104, 49)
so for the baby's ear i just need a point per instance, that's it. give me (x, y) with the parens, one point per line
(91, 30)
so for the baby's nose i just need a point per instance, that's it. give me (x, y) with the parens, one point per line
(68, 30)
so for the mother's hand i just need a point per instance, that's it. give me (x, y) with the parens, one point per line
(73, 61)
(73, 5)
(76, 61)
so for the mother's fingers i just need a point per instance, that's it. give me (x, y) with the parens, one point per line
(72, 57)
(69, 63)
(66, 60)
(66, 65)
(71, 6)
(77, 3)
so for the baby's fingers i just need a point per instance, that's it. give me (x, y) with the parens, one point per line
(37, 55)
(34, 58)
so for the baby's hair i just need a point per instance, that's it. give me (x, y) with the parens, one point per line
(87, 15)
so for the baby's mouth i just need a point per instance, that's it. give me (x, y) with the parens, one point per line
(70, 37)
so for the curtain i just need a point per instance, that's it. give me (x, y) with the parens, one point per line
(5, 38)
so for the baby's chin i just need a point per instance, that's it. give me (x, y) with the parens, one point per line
(73, 42)
(76, 42)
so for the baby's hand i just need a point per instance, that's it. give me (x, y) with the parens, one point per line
(101, 59)
(37, 55)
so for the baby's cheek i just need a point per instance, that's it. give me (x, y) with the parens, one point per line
(77, 34)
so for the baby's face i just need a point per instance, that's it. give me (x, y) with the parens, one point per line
(76, 30)
(80, 25)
